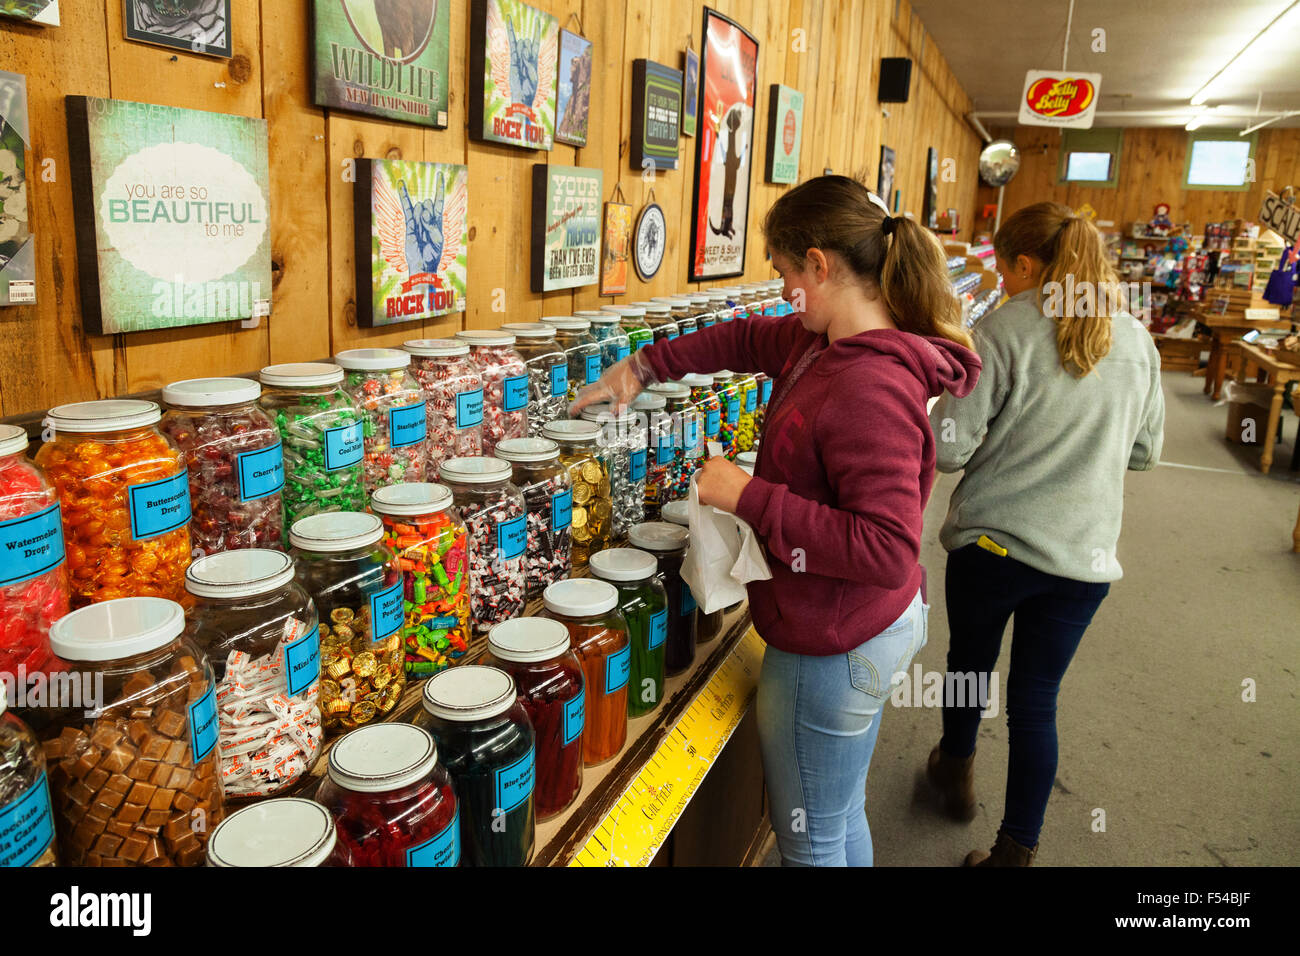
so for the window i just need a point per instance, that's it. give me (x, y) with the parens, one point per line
(1219, 160)
(1088, 167)
(1089, 157)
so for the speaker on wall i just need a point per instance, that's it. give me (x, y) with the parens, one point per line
(895, 78)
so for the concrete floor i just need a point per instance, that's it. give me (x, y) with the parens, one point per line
(1153, 729)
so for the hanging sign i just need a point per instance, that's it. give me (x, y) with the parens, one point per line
(1060, 99)
(1280, 214)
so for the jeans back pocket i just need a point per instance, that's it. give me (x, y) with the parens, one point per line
(874, 664)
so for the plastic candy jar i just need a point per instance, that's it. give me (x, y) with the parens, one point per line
(358, 597)
(707, 626)
(125, 498)
(392, 405)
(26, 815)
(548, 497)
(659, 448)
(632, 321)
(258, 627)
(643, 603)
(658, 315)
(392, 802)
(139, 783)
(496, 518)
(535, 652)
(593, 510)
(610, 337)
(724, 384)
(701, 310)
(285, 831)
(580, 349)
(704, 398)
(623, 446)
(720, 302)
(667, 542)
(746, 422)
(679, 312)
(764, 396)
(548, 372)
(453, 392)
(428, 545)
(688, 438)
(488, 745)
(505, 385)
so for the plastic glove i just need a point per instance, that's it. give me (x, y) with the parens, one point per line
(621, 383)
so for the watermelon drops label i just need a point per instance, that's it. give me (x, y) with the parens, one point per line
(31, 545)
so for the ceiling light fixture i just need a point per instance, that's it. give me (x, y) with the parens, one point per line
(1201, 95)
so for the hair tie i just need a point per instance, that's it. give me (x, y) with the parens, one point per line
(888, 225)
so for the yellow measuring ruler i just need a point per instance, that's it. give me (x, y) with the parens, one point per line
(637, 825)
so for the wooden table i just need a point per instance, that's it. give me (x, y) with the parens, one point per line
(1281, 367)
(1226, 329)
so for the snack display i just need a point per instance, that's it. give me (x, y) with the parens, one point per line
(659, 449)
(26, 816)
(593, 511)
(235, 460)
(643, 602)
(688, 439)
(392, 406)
(125, 497)
(631, 319)
(667, 542)
(581, 351)
(610, 337)
(747, 420)
(707, 626)
(724, 384)
(453, 394)
(505, 385)
(548, 372)
(284, 831)
(622, 444)
(548, 497)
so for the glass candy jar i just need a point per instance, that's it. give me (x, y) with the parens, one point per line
(580, 349)
(707, 626)
(548, 372)
(453, 393)
(548, 496)
(746, 420)
(505, 385)
(728, 392)
(593, 509)
(392, 405)
(688, 439)
(611, 337)
(26, 814)
(622, 443)
(631, 319)
(284, 831)
(704, 398)
(667, 542)
(643, 603)
(658, 316)
(659, 448)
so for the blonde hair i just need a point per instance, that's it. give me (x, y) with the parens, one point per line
(1074, 257)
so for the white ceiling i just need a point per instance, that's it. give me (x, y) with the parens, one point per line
(1158, 54)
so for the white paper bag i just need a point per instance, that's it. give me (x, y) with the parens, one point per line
(724, 554)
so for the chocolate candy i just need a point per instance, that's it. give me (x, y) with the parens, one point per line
(26, 819)
(453, 394)
(724, 384)
(505, 385)
(688, 439)
(593, 510)
(548, 498)
(659, 449)
(623, 448)
(392, 407)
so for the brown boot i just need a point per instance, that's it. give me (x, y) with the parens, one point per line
(954, 777)
(1005, 852)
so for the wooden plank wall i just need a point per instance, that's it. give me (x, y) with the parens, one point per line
(830, 49)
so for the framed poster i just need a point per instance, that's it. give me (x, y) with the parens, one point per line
(566, 227)
(930, 201)
(573, 89)
(724, 149)
(44, 12)
(197, 26)
(171, 214)
(690, 90)
(885, 177)
(412, 236)
(784, 134)
(17, 249)
(618, 243)
(656, 114)
(385, 58)
(512, 60)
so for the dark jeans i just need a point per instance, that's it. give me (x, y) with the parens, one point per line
(983, 591)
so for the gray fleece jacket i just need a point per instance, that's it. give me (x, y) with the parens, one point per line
(1044, 453)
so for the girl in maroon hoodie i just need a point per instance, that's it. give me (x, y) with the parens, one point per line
(844, 471)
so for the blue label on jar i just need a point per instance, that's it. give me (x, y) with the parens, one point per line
(561, 510)
(344, 446)
(664, 449)
(690, 432)
(441, 850)
(636, 470)
(302, 662)
(469, 408)
(386, 610)
(688, 600)
(512, 537)
(407, 425)
(767, 390)
(622, 352)
(575, 712)
(30, 545)
(26, 826)
(261, 472)
(658, 628)
(618, 667)
(712, 421)
(733, 410)
(159, 506)
(593, 369)
(673, 335)
(751, 400)
(514, 784)
(515, 393)
(559, 380)
(203, 724)
(707, 322)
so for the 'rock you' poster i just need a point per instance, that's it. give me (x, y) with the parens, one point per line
(513, 51)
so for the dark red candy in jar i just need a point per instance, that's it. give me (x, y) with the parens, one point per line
(285, 831)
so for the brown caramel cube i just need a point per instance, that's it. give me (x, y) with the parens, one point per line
(131, 813)
(161, 774)
(107, 844)
(133, 847)
(156, 818)
(184, 802)
(86, 762)
(142, 793)
(118, 759)
(142, 769)
(119, 783)
(105, 735)
(80, 794)
(162, 799)
(177, 752)
(177, 827)
(171, 723)
(118, 828)
(84, 836)
(138, 730)
(141, 713)
(152, 852)
(96, 779)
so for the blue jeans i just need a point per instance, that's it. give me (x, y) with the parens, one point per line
(983, 591)
(818, 718)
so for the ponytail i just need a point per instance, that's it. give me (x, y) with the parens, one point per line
(916, 287)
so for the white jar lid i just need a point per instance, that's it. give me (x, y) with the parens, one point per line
(677, 512)
(723, 376)
(236, 574)
(478, 470)
(658, 536)
(471, 692)
(569, 325)
(384, 756)
(302, 374)
(626, 311)
(336, 531)
(529, 330)
(285, 831)
(603, 413)
(580, 597)
(526, 640)
(747, 460)
(115, 629)
(671, 390)
(649, 402)
(411, 498)
(204, 392)
(600, 318)
(699, 299)
(695, 380)
(570, 429)
(548, 319)
(486, 337)
(623, 564)
(655, 308)
(438, 348)
(673, 300)
(110, 415)
(526, 449)
(378, 360)
(13, 440)
(590, 313)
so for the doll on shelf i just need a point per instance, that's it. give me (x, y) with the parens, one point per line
(1160, 224)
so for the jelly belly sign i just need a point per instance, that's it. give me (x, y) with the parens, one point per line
(411, 242)
(513, 50)
(171, 214)
(1063, 100)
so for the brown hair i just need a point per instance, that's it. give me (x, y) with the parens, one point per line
(836, 214)
(1074, 258)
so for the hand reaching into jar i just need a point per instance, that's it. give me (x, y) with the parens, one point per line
(621, 383)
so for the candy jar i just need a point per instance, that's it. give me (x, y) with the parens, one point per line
(643, 602)
(746, 422)
(125, 497)
(728, 392)
(581, 351)
(487, 743)
(701, 312)
(679, 312)
(589, 609)
(764, 396)
(259, 629)
(392, 801)
(658, 316)
(235, 460)
(392, 405)
(427, 543)
(659, 448)
(631, 319)
(707, 626)
(548, 495)
(505, 385)
(593, 510)
(453, 392)
(667, 542)
(706, 400)
(688, 439)
(747, 461)
(26, 816)
(535, 652)
(610, 337)
(359, 598)
(548, 372)
(323, 435)
(134, 765)
(496, 518)
(622, 444)
(33, 574)
(285, 831)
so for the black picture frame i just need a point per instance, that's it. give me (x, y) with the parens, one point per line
(188, 37)
(659, 151)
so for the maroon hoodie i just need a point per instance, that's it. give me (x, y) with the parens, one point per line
(844, 470)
